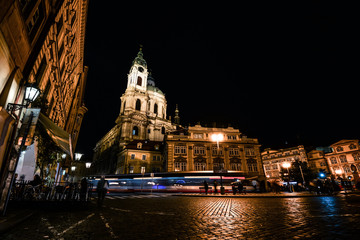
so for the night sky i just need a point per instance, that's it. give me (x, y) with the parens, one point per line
(283, 74)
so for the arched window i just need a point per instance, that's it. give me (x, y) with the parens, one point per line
(135, 131)
(138, 105)
(162, 130)
(155, 108)
(139, 81)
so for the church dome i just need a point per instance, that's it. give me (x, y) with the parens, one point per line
(154, 89)
(150, 80)
(151, 85)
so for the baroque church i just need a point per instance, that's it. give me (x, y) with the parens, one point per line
(140, 127)
(144, 140)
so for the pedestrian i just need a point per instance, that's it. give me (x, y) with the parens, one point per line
(276, 187)
(36, 181)
(233, 188)
(206, 187)
(83, 189)
(215, 186)
(241, 188)
(319, 187)
(101, 190)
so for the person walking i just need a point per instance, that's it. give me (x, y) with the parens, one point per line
(206, 187)
(215, 186)
(101, 190)
(83, 189)
(233, 188)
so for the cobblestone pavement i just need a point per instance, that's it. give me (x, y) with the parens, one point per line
(175, 217)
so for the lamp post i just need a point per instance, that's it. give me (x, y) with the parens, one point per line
(88, 165)
(31, 93)
(217, 138)
(75, 165)
(287, 165)
(78, 156)
(341, 173)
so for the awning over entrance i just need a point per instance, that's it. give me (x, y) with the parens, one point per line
(57, 134)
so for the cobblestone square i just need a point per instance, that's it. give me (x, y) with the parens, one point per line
(161, 216)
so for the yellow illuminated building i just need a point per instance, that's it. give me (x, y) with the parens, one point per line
(198, 148)
(42, 43)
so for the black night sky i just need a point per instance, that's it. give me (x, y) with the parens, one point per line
(282, 74)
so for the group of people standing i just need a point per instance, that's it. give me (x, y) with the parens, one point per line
(236, 187)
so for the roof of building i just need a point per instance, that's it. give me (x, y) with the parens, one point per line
(154, 89)
(144, 145)
(344, 141)
(150, 80)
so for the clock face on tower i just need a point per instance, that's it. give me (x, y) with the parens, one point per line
(140, 69)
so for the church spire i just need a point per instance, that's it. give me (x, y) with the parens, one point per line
(177, 118)
(139, 59)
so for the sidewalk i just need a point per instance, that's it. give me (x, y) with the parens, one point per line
(14, 215)
(257, 195)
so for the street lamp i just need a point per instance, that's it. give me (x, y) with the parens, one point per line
(31, 93)
(287, 165)
(88, 164)
(78, 156)
(343, 179)
(338, 171)
(217, 137)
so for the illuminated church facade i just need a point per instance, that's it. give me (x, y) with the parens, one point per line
(144, 140)
(134, 143)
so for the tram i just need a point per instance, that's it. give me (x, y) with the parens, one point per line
(185, 182)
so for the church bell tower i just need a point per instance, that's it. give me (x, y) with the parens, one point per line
(137, 77)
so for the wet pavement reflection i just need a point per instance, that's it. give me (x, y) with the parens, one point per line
(175, 217)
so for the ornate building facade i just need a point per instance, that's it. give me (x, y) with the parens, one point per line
(274, 159)
(42, 43)
(142, 116)
(194, 149)
(344, 159)
(317, 161)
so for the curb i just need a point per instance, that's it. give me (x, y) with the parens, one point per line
(253, 196)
